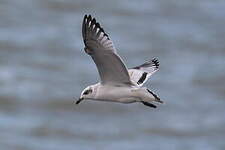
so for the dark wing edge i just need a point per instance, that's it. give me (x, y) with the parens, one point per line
(140, 74)
(153, 63)
(98, 45)
(91, 28)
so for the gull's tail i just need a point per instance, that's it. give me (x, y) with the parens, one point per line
(154, 99)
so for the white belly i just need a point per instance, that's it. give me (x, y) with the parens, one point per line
(116, 94)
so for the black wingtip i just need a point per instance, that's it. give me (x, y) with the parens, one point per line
(97, 25)
(149, 104)
(89, 19)
(155, 61)
(94, 20)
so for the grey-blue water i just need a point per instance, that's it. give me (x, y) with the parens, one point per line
(43, 66)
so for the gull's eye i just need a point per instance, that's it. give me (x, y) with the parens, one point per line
(87, 92)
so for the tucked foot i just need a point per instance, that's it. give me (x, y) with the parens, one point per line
(149, 104)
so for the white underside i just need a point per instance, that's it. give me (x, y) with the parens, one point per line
(122, 94)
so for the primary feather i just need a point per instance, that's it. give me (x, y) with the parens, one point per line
(110, 66)
(140, 74)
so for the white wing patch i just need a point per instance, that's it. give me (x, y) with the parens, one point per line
(140, 74)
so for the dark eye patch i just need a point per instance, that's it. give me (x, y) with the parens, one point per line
(88, 91)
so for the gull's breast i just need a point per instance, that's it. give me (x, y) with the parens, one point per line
(113, 93)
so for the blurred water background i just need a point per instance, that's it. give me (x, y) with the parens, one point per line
(43, 66)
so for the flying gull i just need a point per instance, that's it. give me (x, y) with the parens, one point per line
(117, 84)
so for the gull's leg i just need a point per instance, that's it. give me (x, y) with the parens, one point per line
(149, 104)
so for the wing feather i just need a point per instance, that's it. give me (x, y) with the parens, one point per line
(99, 46)
(140, 74)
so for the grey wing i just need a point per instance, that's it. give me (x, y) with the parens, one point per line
(141, 74)
(98, 45)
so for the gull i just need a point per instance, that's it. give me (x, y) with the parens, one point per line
(117, 83)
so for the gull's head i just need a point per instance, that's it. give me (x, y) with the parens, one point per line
(87, 93)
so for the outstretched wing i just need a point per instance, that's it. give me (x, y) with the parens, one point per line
(140, 74)
(98, 45)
